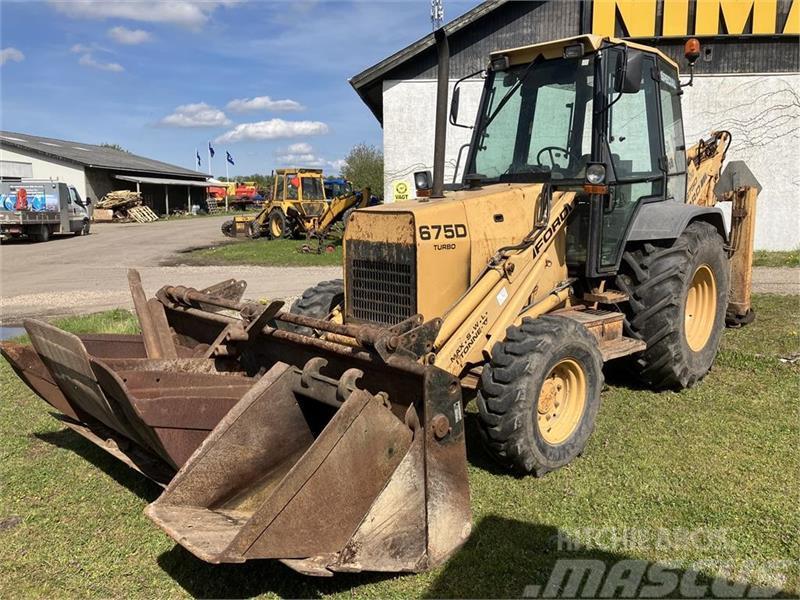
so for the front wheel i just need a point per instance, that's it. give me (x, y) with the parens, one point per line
(540, 394)
(678, 298)
(84, 230)
(317, 302)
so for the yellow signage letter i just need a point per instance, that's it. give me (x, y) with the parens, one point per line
(638, 17)
(735, 13)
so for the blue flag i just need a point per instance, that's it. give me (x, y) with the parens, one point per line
(229, 157)
(198, 159)
(210, 150)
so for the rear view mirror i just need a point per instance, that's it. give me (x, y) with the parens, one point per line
(629, 73)
(454, 106)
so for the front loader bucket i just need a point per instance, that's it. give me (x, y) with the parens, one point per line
(328, 453)
(151, 414)
(291, 477)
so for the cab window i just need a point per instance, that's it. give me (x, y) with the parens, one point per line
(674, 144)
(312, 188)
(279, 188)
(634, 145)
(292, 186)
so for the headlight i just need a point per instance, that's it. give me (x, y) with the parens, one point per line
(596, 174)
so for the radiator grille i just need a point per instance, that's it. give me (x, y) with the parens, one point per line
(381, 282)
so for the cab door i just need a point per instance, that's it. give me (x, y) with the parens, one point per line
(634, 150)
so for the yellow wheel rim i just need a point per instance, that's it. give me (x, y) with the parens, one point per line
(701, 308)
(562, 400)
(275, 227)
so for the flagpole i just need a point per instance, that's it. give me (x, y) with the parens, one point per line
(209, 158)
(227, 181)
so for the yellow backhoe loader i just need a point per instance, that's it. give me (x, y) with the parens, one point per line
(298, 208)
(331, 436)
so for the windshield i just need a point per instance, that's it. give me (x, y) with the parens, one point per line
(544, 126)
(312, 188)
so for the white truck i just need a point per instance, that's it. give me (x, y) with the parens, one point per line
(39, 208)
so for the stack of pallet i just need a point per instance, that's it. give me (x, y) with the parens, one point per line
(123, 206)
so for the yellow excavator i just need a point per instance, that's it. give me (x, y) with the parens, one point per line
(331, 436)
(298, 208)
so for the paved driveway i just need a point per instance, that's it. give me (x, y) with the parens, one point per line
(86, 274)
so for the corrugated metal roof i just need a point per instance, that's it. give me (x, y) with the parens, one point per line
(90, 155)
(168, 181)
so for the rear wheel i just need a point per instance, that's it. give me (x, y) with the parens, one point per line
(227, 228)
(540, 394)
(678, 297)
(42, 234)
(278, 225)
(317, 302)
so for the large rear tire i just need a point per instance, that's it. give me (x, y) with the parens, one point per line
(678, 297)
(540, 394)
(317, 302)
(278, 225)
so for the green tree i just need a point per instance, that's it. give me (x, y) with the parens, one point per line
(363, 165)
(114, 147)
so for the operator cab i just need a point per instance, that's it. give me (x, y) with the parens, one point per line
(292, 185)
(598, 116)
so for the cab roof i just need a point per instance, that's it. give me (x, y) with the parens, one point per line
(298, 170)
(555, 48)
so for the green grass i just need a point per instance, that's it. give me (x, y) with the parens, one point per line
(264, 252)
(766, 258)
(721, 458)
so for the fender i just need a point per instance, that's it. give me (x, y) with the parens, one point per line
(666, 220)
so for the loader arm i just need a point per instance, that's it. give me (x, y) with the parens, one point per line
(338, 206)
(526, 280)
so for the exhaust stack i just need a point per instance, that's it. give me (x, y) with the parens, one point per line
(443, 81)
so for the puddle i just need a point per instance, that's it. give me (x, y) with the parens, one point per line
(6, 333)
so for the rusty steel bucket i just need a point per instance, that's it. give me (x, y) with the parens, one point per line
(271, 444)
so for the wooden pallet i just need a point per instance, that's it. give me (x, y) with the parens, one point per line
(142, 214)
(213, 207)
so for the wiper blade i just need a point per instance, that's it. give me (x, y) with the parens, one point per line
(504, 100)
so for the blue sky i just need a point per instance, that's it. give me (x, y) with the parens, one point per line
(265, 80)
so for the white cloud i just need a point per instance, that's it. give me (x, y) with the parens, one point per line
(338, 164)
(302, 154)
(263, 103)
(186, 13)
(300, 148)
(79, 49)
(87, 60)
(11, 55)
(129, 37)
(273, 129)
(198, 114)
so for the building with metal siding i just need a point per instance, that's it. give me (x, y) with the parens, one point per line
(96, 170)
(746, 82)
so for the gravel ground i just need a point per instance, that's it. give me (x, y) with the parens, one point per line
(776, 280)
(70, 275)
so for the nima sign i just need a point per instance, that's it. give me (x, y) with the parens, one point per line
(668, 18)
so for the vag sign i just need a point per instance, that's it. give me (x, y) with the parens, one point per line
(666, 18)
